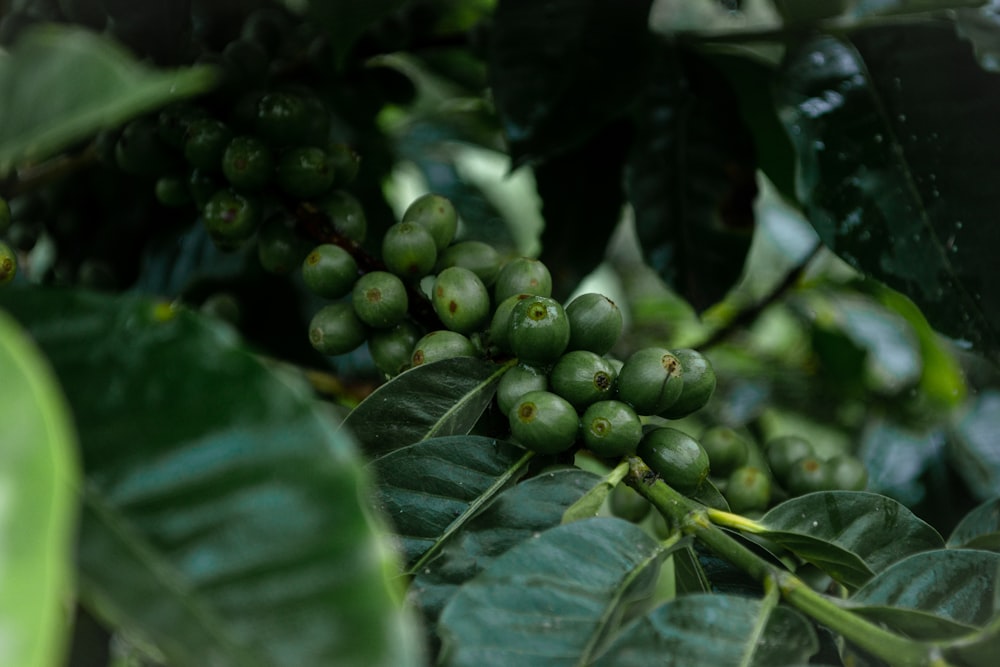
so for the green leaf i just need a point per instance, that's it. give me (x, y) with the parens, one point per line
(933, 595)
(443, 398)
(39, 477)
(894, 170)
(223, 518)
(551, 600)
(704, 630)
(973, 447)
(851, 535)
(897, 457)
(63, 84)
(979, 529)
(560, 70)
(590, 504)
(981, 26)
(691, 178)
(435, 484)
(520, 512)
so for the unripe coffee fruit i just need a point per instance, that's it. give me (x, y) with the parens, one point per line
(480, 258)
(727, 450)
(329, 271)
(538, 330)
(611, 429)
(849, 472)
(626, 503)
(408, 250)
(544, 422)
(582, 378)
(435, 213)
(676, 457)
(810, 474)
(595, 323)
(522, 274)
(380, 299)
(748, 489)
(782, 452)
(698, 385)
(392, 349)
(460, 300)
(651, 380)
(336, 329)
(499, 333)
(441, 344)
(517, 382)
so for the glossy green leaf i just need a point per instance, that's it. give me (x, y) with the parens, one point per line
(553, 599)
(895, 173)
(973, 447)
(430, 488)
(691, 178)
(39, 478)
(710, 630)
(223, 517)
(520, 512)
(63, 84)
(979, 529)
(560, 70)
(934, 594)
(851, 535)
(433, 400)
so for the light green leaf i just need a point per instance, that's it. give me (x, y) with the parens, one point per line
(61, 84)
(430, 488)
(933, 595)
(703, 630)
(442, 398)
(552, 600)
(38, 483)
(979, 529)
(851, 535)
(224, 520)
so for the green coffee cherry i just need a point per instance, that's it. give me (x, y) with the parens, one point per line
(222, 306)
(499, 333)
(538, 330)
(522, 275)
(460, 300)
(809, 474)
(651, 380)
(626, 503)
(517, 382)
(330, 271)
(230, 217)
(544, 422)
(286, 118)
(408, 250)
(380, 299)
(202, 186)
(437, 215)
(698, 386)
(345, 213)
(345, 161)
(782, 452)
(849, 472)
(247, 163)
(304, 172)
(582, 378)
(611, 429)
(727, 450)
(172, 191)
(280, 249)
(676, 457)
(336, 329)
(748, 489)
(8, 263)
(392, 348)
(173, 121)
(595, 323)
(205, 142)
(441, 344)
(476, 256)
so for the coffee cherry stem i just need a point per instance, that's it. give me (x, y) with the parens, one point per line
(693, 518)
(319, 228)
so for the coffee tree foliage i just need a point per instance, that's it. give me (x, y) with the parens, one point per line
(251, 418)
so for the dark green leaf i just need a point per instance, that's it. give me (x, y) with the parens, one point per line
(973, 445)
(62, 84)
(933, 595)
(39, 477)
(435, 484)
(710, 630)
(564, 68)
(223, 517)
(691, 178)
(981, 26)
(532, 506)
(894, 167)
(851, 535)
(443, 398)
(553, 599)
(979, 529)
(897, 456)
